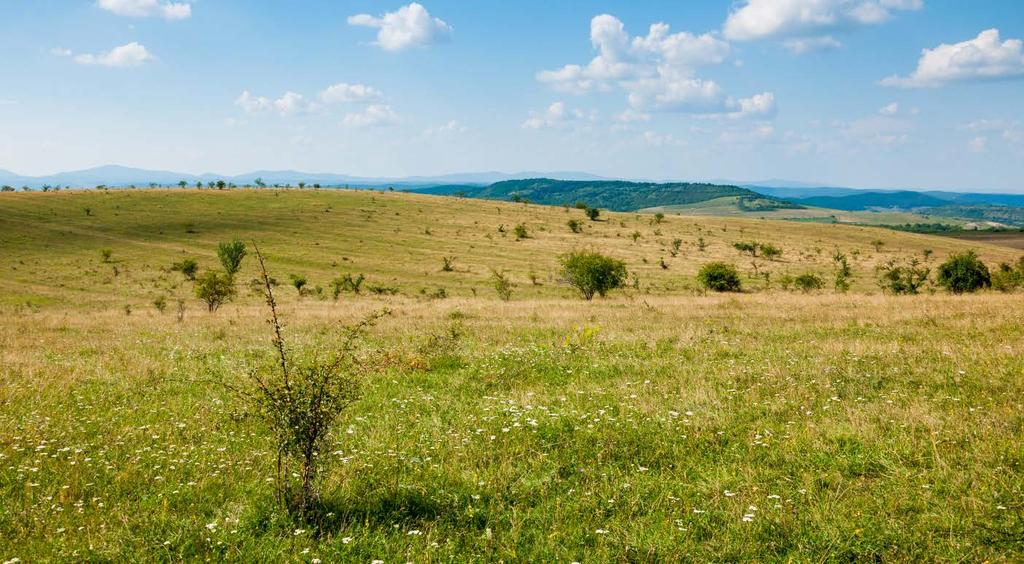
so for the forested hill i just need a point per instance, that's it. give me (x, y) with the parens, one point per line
(607, 194)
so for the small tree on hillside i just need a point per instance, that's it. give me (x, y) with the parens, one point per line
(575, 226)
(592, 273)
(215, 289)
(719, 277)
(187, 266)
(963, 273)
(231, 255)
(502, 284)
(592, 213)
(899, 278)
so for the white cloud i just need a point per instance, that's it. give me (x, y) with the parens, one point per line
(131, 55)
(556, 115)
(409, 26)
(289, 104)
(376, 115)
(658, 70)
(253, 104)
(983, 58)
(767, 19)
(342, 92)
(1009, 131)
(147, 8)
(978, 145)
(801, 45)
(889, 109)
(61, 52)
(760, 106)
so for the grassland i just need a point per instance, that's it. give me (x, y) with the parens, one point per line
(656, 425)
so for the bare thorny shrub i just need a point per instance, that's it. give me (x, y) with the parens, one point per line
(301, 400)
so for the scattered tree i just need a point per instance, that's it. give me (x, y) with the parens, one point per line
(592, 273)
(808, 282)
(719, 277)
(843, 272)
(502, 284)
(215, 289)
(964, 273)
(900, 279)
(231, 255)
(592, 213)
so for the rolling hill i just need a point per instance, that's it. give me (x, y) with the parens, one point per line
(615, 195)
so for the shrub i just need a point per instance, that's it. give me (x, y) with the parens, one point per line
(520, 232)
(300, 401)
(215, 289)
(770, 252)
(299, 281)
(963, 273)
(502, 285)
(808, 282)
(231, 255)
(347, 283)
(592, 213)
(187, 266)
(899, 278)
(448, 264)
(105, 254)
(1008, 278)
(160, 303)
(575, 226)
(658, 218)
(592, 273)
(719, 277)
(843, 272)
(676, 244)
(746, 247)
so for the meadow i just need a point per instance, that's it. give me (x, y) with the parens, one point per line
(658, 424)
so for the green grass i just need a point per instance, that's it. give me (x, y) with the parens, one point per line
(656, 425)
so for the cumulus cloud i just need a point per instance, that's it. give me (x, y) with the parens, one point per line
(409, 26)
(759, 106)
(768, 19)
(375, 115)
(1010, 131)
(342, 92)
(889, 109)
(147, 8)
(985, 57)
(289, 104)
(556, 115)
(657, 70)
(131, 55)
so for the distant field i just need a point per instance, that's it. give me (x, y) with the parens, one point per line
(1003, 239)
(656, 425)
(728, 207)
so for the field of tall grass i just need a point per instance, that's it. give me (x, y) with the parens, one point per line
(658, 424)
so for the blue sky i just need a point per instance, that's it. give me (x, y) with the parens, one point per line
(873, 93)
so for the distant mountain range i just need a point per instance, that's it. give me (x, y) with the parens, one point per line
(120, 176)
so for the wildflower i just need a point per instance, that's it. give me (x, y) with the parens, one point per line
(212, 526)
(346, 540)
(602, 531)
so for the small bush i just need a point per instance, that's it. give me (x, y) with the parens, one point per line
(502, 285)
(592, 273)
(447, 264)
(187, 266)
(520, 232)
(105, 254)
(160, 303)
(719, 277)
(964, 273)
(843, 272)
(231, 255)
(592, 213)
(808, 282)
(770, 252)
(1008, 278)
(575, 226)
(749, 247)
(347, 283)
(215, 289)
(900, 279)
(299, 282)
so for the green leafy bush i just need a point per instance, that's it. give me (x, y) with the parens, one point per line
(215, 289)
(907, 278)
(231, 255)
(964, 273)
(187, 266)
(719, 277)
(502, 285)
(808, 282)
(592, 273)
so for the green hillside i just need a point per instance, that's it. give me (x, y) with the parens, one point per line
(611, 194)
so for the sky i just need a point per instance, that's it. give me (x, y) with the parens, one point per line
(861, 93)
